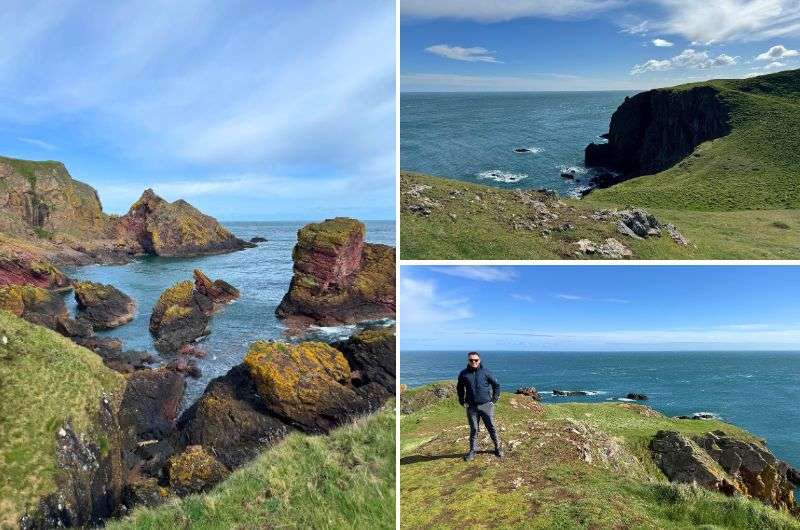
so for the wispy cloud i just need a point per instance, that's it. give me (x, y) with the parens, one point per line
(37, 143)
(688, 58)
(479, 273)
(532, 81)
(661, 43)
(483, 11)
(473, 54)
(421, 303)
(523, 297)
(567, 296)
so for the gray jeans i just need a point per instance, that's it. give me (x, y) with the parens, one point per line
(477, 413)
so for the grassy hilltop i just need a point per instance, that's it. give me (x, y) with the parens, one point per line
(734, 197)
(571, 465)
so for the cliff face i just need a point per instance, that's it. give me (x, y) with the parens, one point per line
(41, 198)
(654, 130)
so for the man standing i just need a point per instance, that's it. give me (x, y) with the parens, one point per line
(478, 390)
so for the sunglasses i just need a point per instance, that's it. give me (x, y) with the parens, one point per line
(474, 360)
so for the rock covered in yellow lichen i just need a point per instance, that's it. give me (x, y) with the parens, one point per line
(34, 304)
(194, 471)
(307, 383)
(104, 306)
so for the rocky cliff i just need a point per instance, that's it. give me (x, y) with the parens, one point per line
(338, 278)
(654, 130)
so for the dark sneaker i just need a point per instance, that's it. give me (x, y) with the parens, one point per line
(469, 456)
(499, 453)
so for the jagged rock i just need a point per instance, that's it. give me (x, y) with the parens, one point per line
(230, 420)
(183, 312)
(639, 222)
(371, 353)
(22, 270)
(653, 130)
(104, 306)
(155, 226)
(34, 304)
(752, 467)
(528, 391)
(613, 249)
(307, 384)
(636, 396)
(337, 277)
(682, 460)
(184, 365)
(258, 239)
(557, 392)
(676, 235)
(194, 471)
(148, 413)
(69, 327)
(586, 246)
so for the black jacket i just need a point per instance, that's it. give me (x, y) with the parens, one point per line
(476, 387)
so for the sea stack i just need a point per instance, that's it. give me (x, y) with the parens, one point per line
(338, 278)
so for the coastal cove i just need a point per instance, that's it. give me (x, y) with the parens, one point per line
(261, 274)
(757, 391)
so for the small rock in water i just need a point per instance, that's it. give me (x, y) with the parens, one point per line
(258, 239)
(636, 396)
(523, 150)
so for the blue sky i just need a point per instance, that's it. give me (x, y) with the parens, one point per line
(248, 109)
(517, 45)
(599, 308)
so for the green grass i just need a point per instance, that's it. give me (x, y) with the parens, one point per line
(756, 166)
(342, 480)
(484, 230)
(544, 482)
(45, 379)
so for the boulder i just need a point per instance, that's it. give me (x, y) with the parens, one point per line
(184, 364)
(218, 291)
(307, 384)
(338, 278)
(230, 420)
(613, 249)
(372, 353)
(529, 391)
(194, 471)
(104, 306)
(258, 239)
(682, 460)
(34, 304)
(157, 227)
(636, 396)
(69, 327)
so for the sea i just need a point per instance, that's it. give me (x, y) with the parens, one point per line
(473, 136)
(758, 391)
(262, 275)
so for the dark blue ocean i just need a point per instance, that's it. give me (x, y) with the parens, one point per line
(758, 391)
(261, 274)
(472, 136)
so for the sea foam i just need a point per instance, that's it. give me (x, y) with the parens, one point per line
(502, 176)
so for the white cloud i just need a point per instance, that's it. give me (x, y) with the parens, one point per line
(38, 143)
(661, 43)
(726, 20)
(591, 299)
(503, 10)
(773, 65)
(479, 273)
(688, 58)
(523, 297)
(474, 54)
(640, 28)
(422, 304)
(777, 52)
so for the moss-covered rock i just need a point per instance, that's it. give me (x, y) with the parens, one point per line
(34, 304)
(194, 471)
(60, 448)
(337, 277)
(155, 226)
(307, 384)
(104, 306)
(25, 270)
(371, 355)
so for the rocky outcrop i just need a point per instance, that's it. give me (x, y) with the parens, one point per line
(104, 306)
(371, 355)
(230, 420)
(157, 227)
(194, 471)
(183, 312)
(654, 130)
(338, 278)
(529, 391)
(36, 305)
(23, 269)
(726, 464)
(306, 384)
(416, 399)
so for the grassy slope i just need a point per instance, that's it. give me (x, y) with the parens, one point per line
(555, 487)
(485, 232)
(343, 480)
(44, 380)
(757, 166)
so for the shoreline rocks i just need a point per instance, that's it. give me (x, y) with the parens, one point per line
(103, 306)
(338, 278)
(530, 392)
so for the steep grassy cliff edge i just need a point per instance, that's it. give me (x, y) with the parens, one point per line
(570, 465)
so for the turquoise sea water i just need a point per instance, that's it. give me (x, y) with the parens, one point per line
(758, 391)
(472, 136)
(262, 274)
